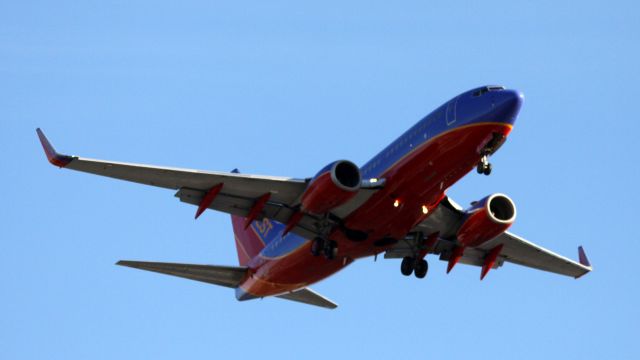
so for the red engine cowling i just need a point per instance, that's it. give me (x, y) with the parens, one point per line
(487, 219)
(333, 186)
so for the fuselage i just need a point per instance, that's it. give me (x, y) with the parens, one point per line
(418, 168)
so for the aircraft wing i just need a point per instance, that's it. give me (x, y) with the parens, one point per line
(446, 220)
(236, 196)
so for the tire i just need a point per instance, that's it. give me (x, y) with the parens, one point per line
(487, 170)
(406, 267)
(316, 246)
(480, 168)
(421, 268)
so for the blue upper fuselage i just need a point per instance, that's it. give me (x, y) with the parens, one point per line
(483, 104)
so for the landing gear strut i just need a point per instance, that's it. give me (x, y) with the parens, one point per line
(328, 248)
(484, 166)
(418, 267)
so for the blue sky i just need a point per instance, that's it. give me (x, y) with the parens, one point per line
(283, 88)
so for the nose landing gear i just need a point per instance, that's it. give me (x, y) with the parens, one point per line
(484, 166)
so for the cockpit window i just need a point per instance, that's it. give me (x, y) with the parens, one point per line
(480, 92)
(486, 89)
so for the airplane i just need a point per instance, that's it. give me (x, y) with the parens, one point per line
(291, 233)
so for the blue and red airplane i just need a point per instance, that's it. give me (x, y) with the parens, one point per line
(291, 233)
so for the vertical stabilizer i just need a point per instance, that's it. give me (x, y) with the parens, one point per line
(249, 241)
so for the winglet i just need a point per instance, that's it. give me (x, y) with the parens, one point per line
(582, 257)
(53, 157)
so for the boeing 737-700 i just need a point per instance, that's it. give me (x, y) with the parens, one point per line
(291, 233)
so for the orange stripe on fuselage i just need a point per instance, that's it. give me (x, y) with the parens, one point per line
(433, 139)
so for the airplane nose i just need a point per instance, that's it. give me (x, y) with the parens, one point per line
(508, 104)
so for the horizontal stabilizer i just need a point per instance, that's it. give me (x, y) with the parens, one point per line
(228, 276)
(310, 297)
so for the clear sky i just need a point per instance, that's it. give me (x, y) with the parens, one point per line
(283, 88)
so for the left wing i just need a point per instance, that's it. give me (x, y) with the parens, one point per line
(446, 220)
(237, 194)
(522, 252)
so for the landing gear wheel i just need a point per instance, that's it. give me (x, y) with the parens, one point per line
(317, 246)
(484, 166)
(330, 250)
(421, 268)
(487, 169)
(406, 267)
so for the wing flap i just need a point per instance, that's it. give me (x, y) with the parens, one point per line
(310, 297)
(240, 206)
(227, 276)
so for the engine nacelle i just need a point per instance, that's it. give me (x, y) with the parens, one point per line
(487, 219)
(332, 186)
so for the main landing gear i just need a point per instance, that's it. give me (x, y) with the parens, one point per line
(328, 248)
(484, 166)
(418, 267)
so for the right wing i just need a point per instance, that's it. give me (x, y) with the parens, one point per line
(237, 196)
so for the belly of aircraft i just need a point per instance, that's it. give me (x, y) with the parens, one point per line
(416, 181)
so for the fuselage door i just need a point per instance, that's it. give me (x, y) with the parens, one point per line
(450, 115)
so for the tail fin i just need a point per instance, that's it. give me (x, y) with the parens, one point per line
(249, 242)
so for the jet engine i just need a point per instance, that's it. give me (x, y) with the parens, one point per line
(486, 219)
(332, 186)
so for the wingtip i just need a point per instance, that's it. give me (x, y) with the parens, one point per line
(53, 157)
(127, 263)
(584, 261)
(582, 257)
